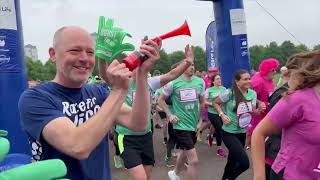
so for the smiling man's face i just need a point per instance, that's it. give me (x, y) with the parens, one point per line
(73, 54)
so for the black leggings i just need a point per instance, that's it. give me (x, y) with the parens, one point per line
(217, 124)
(172, 140)
(238, 160)
(271, 175)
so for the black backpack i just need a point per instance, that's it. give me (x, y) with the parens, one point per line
(273, 143)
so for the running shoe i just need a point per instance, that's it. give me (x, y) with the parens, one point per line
(221, 153)
(173, 176)
(170, 162)
(117, 162)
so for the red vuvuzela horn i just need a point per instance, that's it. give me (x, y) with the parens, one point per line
(136, 58)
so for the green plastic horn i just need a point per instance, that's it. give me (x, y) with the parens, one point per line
(42, 170)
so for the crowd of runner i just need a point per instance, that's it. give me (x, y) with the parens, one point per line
(280, 124)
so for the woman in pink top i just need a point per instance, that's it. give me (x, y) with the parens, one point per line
(262, 83)
(298, 116)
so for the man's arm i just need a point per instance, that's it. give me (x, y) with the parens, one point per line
(166, 92)
(137, 119)
(162, 103)
(78, 142)
(202, 96)
(183, 66)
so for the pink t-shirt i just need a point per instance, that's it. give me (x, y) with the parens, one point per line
(299, 118)
(264, 88)
(207, 81)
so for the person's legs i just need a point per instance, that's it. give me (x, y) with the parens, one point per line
(181, 159)
(192, 159)
(267, 171)
(116, 158)
(172, 141)
(165, 131)
(274, 176)
(217, 124)
(138, 173)
(163, 117)
(185, 142)
(229, 168)
(148, 170)
(238, 160)
(170, 161)
(138, 155)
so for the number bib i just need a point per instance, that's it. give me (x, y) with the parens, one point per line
(188, 95)
(243, 112)
(244, 120)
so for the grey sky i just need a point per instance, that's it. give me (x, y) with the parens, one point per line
(41, 18)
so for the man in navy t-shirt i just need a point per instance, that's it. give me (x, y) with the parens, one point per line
(69, 119)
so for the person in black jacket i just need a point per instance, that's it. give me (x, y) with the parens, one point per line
(273, 143)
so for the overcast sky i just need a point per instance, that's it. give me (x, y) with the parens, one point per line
(41, 18)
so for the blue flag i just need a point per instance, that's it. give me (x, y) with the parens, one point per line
(211, 46)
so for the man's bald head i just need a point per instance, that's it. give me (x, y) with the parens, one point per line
(65, 30)
(73, 54)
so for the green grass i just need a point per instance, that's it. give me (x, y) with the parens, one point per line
(276, 78)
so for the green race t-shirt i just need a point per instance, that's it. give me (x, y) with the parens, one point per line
(228, 98)
(155, 83)
(211, 94)
(185, 101)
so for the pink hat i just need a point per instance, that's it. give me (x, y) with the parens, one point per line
(268, 65)
(213, 70)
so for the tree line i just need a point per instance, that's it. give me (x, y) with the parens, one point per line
(38, 71)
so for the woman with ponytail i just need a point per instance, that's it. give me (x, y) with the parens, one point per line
(297, 115)
(240, 102)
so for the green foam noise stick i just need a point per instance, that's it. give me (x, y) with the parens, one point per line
(109, 42)
(42, 170)
(4, 145)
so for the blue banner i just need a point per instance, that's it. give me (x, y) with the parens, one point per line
(241, 52)
(8, 51)
(9, 60)
(211, 46)
(13, 77)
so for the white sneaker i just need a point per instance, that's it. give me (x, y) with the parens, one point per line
(173, 176)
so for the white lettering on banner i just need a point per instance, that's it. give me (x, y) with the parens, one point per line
(82, 111)
(4, 59)
(238, 22)
(212, 57)
(8, 15)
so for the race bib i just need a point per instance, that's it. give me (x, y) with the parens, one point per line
(243, 113)
(244, 107)
(244, 120)
(188, 95)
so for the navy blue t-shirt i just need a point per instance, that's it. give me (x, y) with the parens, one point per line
(48, 101)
